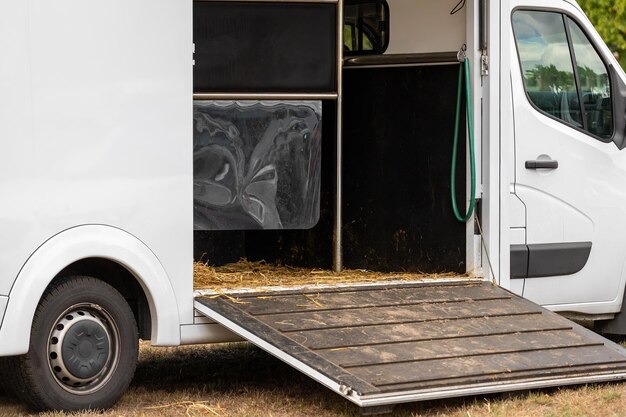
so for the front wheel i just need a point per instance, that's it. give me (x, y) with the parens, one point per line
(83, 348)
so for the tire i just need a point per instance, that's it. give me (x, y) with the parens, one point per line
(83, 349)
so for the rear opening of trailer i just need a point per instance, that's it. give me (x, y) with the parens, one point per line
(314, 153)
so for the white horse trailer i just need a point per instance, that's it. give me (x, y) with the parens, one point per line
(136, 134)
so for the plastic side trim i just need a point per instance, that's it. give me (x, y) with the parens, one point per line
(548, 260)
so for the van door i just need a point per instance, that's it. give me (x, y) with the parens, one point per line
(568, 170)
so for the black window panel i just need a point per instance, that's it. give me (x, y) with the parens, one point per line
(265, 47)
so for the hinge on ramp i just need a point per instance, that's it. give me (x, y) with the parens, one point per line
(345, 390)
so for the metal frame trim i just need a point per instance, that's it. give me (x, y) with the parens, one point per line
(265, 96)
(434, 64)
(337, 228)
(412, 396)
(429, 58)
(201, 292)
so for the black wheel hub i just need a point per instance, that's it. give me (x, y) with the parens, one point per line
(85, 349)
(82, 348)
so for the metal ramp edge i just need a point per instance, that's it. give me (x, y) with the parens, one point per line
(396, 343)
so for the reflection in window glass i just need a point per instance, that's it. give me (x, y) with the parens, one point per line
(257, 164)
(594, 84)
(366, 25)
(547, 64)
(349, 38)
(352, 36)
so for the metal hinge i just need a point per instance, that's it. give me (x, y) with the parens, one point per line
(345, 390)
(462, 53)
(484, 64)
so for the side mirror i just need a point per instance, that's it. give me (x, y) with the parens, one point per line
(619, 108)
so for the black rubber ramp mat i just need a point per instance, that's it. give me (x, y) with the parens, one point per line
(385, 344)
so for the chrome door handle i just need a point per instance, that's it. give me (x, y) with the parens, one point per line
(542, 164)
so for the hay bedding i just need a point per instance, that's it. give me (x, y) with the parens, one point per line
(246, 274)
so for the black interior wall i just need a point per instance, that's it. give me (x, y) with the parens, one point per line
(398, 130)
(307, 248)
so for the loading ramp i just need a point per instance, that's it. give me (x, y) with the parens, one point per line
(379, 345)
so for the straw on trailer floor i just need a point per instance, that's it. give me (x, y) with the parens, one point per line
(246, 274)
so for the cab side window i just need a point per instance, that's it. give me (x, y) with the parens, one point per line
(564, 76)
(595, 87)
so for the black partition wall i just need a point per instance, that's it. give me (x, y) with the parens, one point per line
(397, 144)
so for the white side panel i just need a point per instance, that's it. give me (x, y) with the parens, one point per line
(473, 251)
(517, 236)
(95, 128)
(15, 131)
(494, 149)
(194, 334)
(500, 28)
(517, 210)
(583, 200)
(552, 220)
(517, 286)
(419, 26)
(15, 113)
(3, 306)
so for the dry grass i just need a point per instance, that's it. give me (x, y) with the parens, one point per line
(239, 380)
(246, 274)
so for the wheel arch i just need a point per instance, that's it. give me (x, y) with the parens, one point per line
(80, 247)
(120, 278)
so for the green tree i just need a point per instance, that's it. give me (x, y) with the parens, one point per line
(609, 18)
(549, 78)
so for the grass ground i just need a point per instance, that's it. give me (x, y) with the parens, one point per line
(239, 380)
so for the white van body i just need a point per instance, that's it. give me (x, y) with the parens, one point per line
(95, 123)
(80, 124)
(579, 201)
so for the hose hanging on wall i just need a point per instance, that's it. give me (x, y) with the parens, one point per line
(464, 68)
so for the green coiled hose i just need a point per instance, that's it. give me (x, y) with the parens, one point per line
(464, 68)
